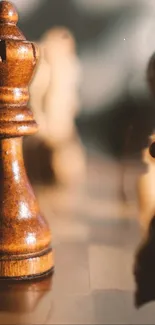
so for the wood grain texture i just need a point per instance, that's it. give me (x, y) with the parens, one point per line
(24, 234)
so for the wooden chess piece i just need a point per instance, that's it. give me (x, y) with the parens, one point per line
(25, 237)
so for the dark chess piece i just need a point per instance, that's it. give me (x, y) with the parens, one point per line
(145, 269)
(145, 258)
(25, 237)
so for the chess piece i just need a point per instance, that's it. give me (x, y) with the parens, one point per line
(144, 269)
(55, 103)
(146, 187)
(144, 261)
(25, 237)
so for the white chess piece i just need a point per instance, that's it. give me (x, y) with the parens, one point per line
(62, 96)
(55, 103)
(38, 89)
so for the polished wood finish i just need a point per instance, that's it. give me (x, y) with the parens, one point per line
(24, 296)
(24, 234)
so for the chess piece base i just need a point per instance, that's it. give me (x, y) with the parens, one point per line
(25, 267)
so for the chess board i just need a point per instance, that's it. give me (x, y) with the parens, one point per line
(95, 238)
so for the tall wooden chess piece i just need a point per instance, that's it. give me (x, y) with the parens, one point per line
(24, 234)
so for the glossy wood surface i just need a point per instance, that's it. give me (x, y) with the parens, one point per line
(25, 237)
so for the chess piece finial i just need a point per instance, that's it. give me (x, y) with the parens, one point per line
(24, 234)
(8, 13)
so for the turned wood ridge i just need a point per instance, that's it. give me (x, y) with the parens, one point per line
(25, 237)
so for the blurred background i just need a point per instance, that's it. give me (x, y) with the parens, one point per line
(114, 41)
(95, 108)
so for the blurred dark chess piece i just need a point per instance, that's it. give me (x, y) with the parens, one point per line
(25, 237)
(145, 258)
(145, 269)
(146, 187)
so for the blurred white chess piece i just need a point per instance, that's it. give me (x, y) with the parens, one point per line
(61, 102)
(55, 103)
